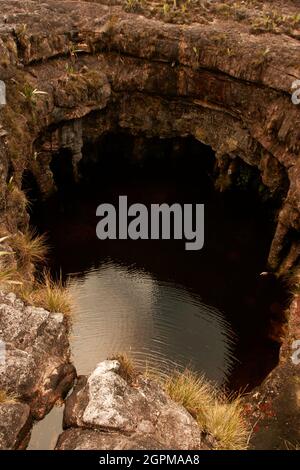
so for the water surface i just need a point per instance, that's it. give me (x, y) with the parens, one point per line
(209, 310)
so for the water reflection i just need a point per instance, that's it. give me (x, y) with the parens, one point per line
(45, 432)
(119, 308)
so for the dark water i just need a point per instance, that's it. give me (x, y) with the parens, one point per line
(167, 307)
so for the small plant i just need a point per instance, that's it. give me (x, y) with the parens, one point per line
(29, 247)
(196, 52)
(3, 253)
(296, 19)
(3, 239)
(184, 8)
(126, 370)
(189, 390)
(9, 276)
(73, 51)
(21, 31)
(230, 52)
(10, 184)
(17, 198)
(217, 415)
(132, 5)
(290, 446)
(6, 398)
(49, 294)
(70, 69)
(166, 9)
(224, 421)
(30, 94)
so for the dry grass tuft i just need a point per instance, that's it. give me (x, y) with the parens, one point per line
(224, 421)
(189, 390)
(6, 398)
(291, 446)
(17, 198)
(215, 414)
(218, 415)
(49, 294)
(10, 276)
(29, 247)
(127, 370)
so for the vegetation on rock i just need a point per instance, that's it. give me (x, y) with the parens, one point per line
(218, 415)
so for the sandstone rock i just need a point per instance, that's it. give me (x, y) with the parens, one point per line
(211, 75)
(139, 415)
(88, 439)
(15, 422)
(36, 366)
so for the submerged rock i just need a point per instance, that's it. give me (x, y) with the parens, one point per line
(35, 363)
(106, 412)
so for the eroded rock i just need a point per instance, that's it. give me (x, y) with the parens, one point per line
(210, 74)
(88, 439)
(15, 423)
(104, 411)
(35, 366)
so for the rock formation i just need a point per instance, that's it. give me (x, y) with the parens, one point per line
(73, 70)
(220, 80)
(106, 412)
(35, 368)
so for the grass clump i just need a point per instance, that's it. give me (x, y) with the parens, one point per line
(132, 5)
(216, 414)
(29, 247)
(127, 370)
(224, 420)
(188, 390)
(6, 398)
(9, 276)
(17, 198)
(48, 293)
(291, 446)
(31, 94)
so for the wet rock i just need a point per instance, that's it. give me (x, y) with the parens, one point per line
(15, 423)
(35, 364)
(138, 415)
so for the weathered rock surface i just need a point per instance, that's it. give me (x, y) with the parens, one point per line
(222, 72)
(15, 424)
(274, 407)
(104, 411)
(35, 366)
(213, 74)
(88, 439)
